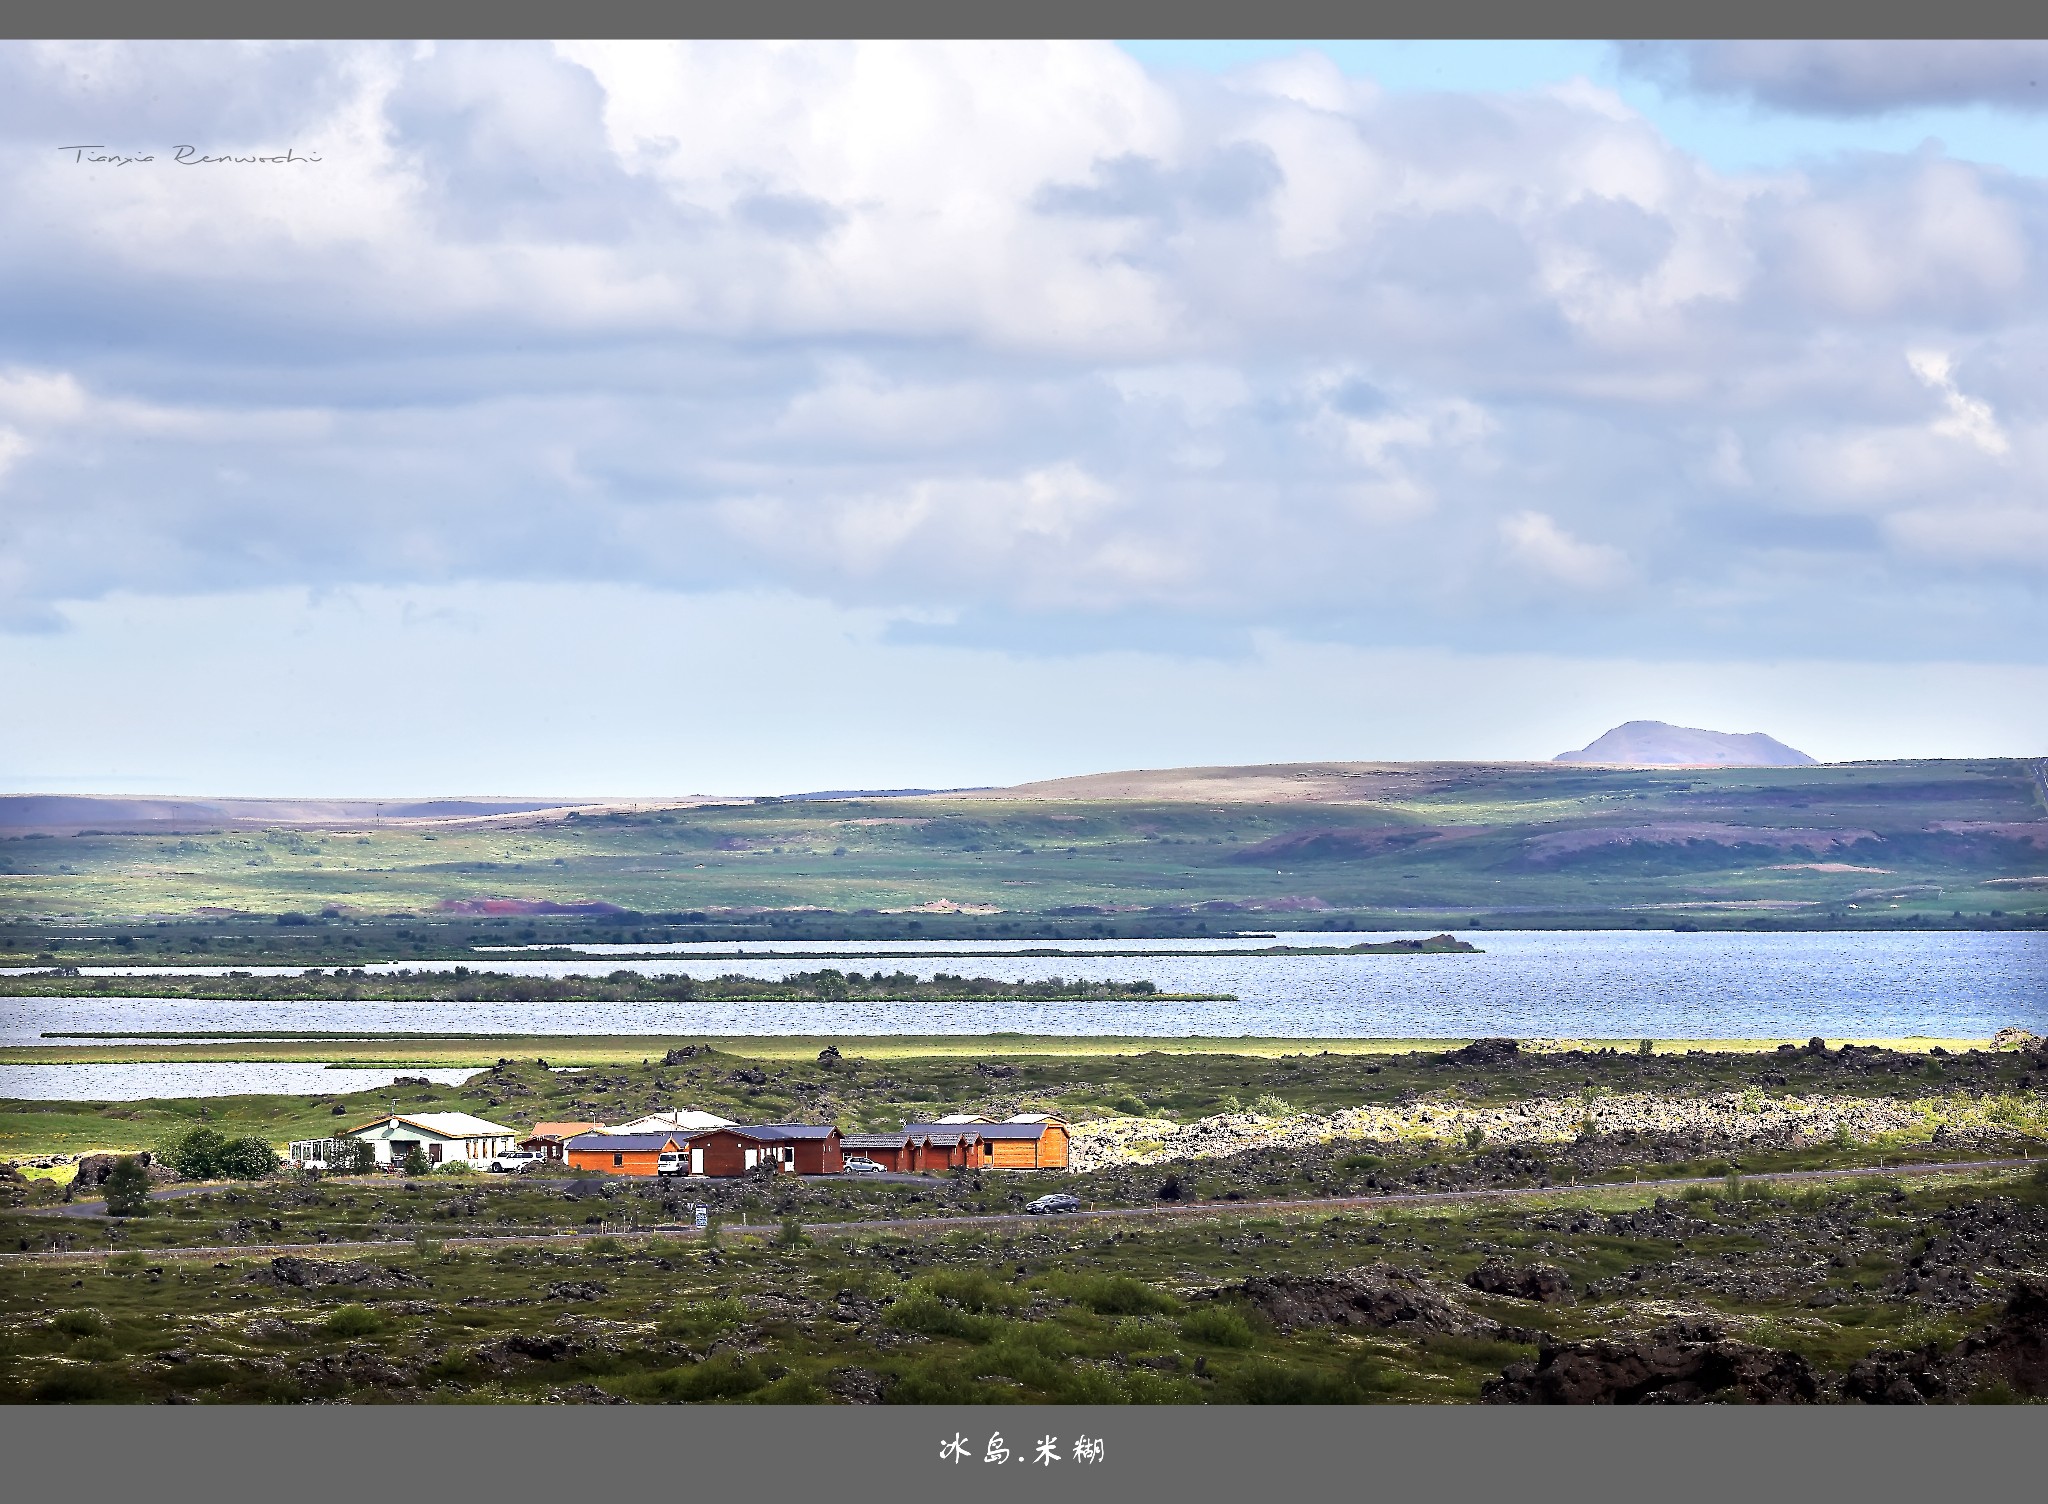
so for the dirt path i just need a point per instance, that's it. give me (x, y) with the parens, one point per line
(1302, 1207)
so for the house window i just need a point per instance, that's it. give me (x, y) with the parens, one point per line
(617, 1160)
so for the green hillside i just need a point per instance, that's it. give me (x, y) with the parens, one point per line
(1442, 845)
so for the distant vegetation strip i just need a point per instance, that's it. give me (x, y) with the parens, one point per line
(462, 985)
(1435, 945)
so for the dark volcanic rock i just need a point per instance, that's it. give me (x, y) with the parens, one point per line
(1890, 1377)
(2013, 1351)
(1376, 1296)
(857, 1386)
(1486, 1052)
(94, 1169)
(1679, 1365)
(311, 1274)
(578, 1289)
(1539, 1282)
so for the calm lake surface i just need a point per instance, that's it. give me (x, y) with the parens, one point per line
(133, 1083)
(1583, 984)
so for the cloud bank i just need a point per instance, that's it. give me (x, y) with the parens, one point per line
(1024, 345)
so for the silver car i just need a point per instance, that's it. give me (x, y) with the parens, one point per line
(860, 1164)
(1058, 1201)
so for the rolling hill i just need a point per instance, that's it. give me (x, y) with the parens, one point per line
(1378, 845)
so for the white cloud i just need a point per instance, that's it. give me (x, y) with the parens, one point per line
(1010, 333)
(1537, 542)
(1968, 418)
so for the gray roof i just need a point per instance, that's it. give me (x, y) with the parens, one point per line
(770, 1133)
(939, 1132)
(873, 1140)
(622, 1143)
(791, 1130)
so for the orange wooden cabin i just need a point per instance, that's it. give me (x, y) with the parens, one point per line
(1033, 1143)
(922, 1152)
(620, 1153)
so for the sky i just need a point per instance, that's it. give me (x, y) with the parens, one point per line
(638, 419)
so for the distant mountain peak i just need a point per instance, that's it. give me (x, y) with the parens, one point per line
(1656, 744)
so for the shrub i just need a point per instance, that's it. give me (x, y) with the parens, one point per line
(247, 1159)
(203, 1154)
(83, 1323)
(971, 1289)
(700, 1320)
(1361, 1162)
(1115, 1295)
(1270, 1106)
(1646, 1047)
(722, 1379)
(195, 1155)
(1219, 1326)
(457, 1167)
(415, 1161)
(127, 1188)
(1474, 1136)
(791, 1234)
(1270, 1383)
(354, 1321)
(939, 1381)
(78, 1387)
(919, 1310)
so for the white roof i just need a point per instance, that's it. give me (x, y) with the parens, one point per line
(962, 1117)
(1036, 1117)
(448, 1125)
(678, 1119)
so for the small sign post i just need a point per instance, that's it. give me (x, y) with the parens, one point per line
(703, 1216)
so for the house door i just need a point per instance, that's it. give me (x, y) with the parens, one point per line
(696, 1161)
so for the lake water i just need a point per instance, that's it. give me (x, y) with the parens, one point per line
(133, 1083)
(1584, 984)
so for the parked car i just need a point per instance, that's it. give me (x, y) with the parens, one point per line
(513, 1159)
(860, 1164)
(1058, 1201)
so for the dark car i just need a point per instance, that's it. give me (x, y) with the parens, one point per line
(1058, 1201)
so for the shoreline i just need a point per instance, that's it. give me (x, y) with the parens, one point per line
(347, 1050)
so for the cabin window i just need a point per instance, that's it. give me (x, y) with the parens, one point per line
(618, 1159)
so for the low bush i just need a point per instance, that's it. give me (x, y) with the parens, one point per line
(353, 1321)
(203, 1154)
(716, 1379)
(972, 1289)
(1266, 1382)
(700, 1320)
(1113, 1294)
(84, 1323)
(919, 1310)
(81, 1386)
(1219, 1326)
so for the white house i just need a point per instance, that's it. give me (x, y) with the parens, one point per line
(443, 1137)
(673, 1121)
